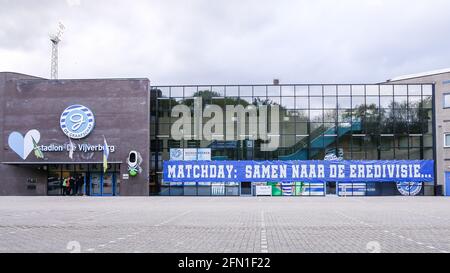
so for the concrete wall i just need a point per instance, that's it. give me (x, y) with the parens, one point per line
(121, 110)
(442, 121)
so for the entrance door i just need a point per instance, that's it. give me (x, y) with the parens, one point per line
(103, 185)
(96, 184)
(246, 188)
(331, 188)
(108, 184)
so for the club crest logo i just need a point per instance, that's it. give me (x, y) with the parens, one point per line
(77, 121)
(176, 154)
(409, 188)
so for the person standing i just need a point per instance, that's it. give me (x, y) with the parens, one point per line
(72, 188)
(64, 186)
(76, 185)
(79, 181)
(68, 184)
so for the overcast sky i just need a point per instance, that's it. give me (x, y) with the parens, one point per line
(228, 41)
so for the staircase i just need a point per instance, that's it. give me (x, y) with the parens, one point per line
(299, 151)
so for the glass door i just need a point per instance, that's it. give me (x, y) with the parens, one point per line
(103, 184)
(330, 188)
(246, 188)
(108, 184)
(96, 184)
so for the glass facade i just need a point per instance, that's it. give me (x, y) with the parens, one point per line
(351, 122)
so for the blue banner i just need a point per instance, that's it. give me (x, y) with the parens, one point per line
(304, 171)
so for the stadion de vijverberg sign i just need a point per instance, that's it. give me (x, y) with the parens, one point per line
(305, 171)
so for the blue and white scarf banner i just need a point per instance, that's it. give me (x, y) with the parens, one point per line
(305, 171)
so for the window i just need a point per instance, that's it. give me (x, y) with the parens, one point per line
(447, 100)
(447, 140)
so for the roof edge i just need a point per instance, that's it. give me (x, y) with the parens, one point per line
(420, 75)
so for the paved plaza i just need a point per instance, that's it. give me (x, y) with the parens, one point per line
(224, 224)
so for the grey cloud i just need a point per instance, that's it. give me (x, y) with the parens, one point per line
(200, 41)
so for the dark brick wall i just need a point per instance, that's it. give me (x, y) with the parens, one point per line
(14, 180)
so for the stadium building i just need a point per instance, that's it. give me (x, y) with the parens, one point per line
(125, 137)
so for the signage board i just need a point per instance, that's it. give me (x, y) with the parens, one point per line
(263, 190)
(306, 171)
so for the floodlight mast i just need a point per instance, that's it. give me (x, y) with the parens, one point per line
(55, 39)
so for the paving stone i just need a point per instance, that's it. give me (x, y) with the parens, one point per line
(229, 224)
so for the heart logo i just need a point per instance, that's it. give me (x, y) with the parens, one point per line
(21, 145)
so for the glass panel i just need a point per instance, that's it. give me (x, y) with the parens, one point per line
(54, 181)
(400, 101)
(414, 90)
(372, 101)
(330, 115)
(329, 102)
(316, 115)
(447, 140)
(234, 91)
(315, 102)
(387, 154)
(301, 90)
(176, 92)
(414, 101)
(344, 115)
(118, 181)
(344, 102)
(287, 91)
(315, 125)
(415, 142)
(447, 100)
(218, 188)
(288, 102)
(301, 129)
(219, 91)
(358, 148)
(427, 102)
(386, 90)
(315, 90)
(301, 103)
(288, 140)
(108, 184)
(344, 90)
(190, 91)
(427, 90)
(414, 154)
(301, 116)
(275, 100)
(273, 91)
(358, 90)
(190, 190)
(176, 188)
(358, 102)
(372, 90)
(386, 102)
(259, 91)
(329, 90)
(165, 91)
(400, 90)
(232, 190)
